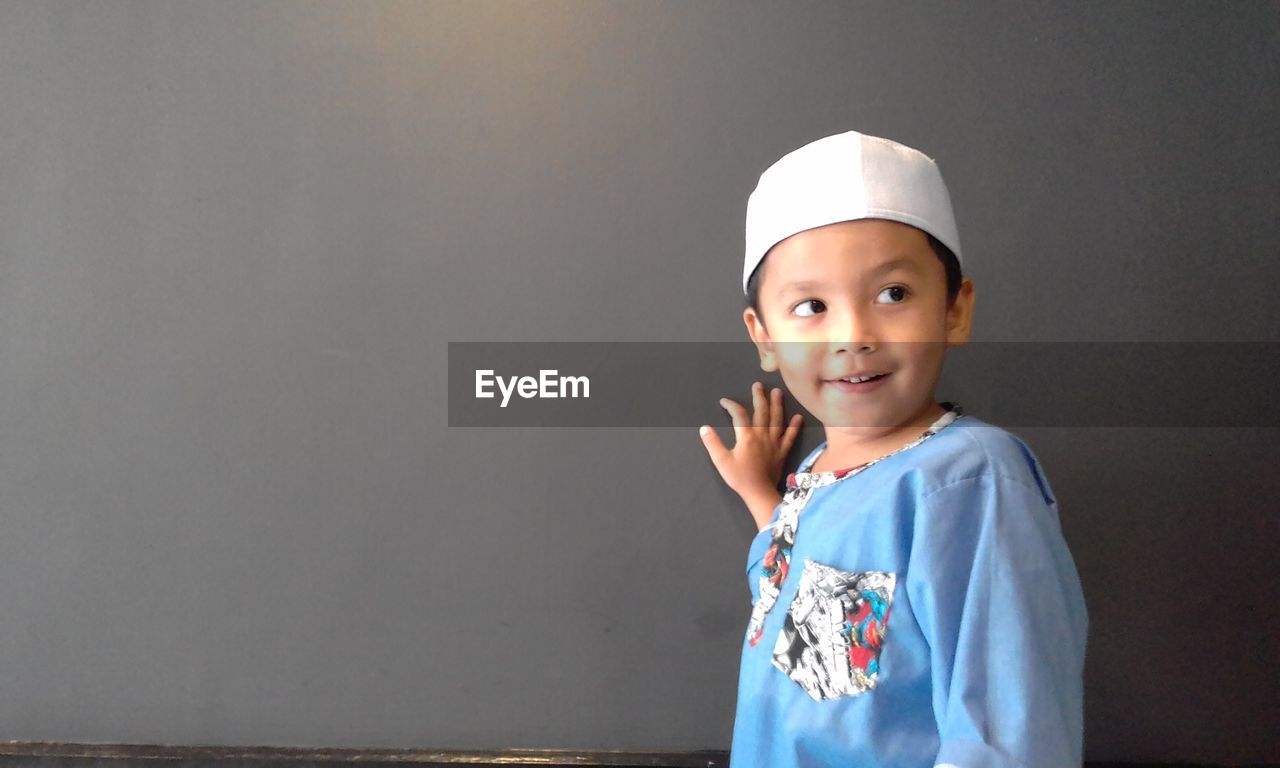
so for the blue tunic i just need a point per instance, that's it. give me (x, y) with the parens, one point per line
(929, 613)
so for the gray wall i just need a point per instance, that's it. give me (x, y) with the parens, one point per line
(236, 238)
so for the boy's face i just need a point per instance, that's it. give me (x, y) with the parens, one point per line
(859, 298)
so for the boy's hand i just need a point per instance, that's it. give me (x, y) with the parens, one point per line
(752, 469)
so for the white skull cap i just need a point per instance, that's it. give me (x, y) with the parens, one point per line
(846, 177)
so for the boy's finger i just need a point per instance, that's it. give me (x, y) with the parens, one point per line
(775, 413)
(738, 414)
(793, 431)
(761, 404)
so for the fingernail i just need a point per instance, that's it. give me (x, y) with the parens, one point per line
(703, 431)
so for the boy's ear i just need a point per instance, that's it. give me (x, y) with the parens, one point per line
(760, 335)
(960, 315)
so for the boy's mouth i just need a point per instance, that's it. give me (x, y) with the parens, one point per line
(863, 383)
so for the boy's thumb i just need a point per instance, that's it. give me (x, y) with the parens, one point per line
(713, 444)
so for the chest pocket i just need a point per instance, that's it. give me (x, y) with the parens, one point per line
(835, 629)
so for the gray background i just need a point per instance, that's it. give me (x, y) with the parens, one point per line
(236, 237)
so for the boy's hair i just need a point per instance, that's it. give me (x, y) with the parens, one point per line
(949, 263)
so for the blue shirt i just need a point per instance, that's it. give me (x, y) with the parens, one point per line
(930, 614)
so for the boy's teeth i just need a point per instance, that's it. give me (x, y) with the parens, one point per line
(856, 379)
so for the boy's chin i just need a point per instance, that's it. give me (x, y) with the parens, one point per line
(876, 416)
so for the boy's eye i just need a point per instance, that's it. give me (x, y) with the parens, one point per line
(896, 292)
(800, 308)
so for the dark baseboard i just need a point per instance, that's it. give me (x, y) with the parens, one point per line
(48, 755)
(17, 754)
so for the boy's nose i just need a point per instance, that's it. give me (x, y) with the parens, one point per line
(853, 332)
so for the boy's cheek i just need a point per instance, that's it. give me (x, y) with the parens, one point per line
(798, 353)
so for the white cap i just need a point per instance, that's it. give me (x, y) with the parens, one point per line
(846, 177)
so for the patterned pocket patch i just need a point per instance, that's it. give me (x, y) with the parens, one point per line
(834, 631)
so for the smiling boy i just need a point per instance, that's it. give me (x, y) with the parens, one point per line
(913, 600)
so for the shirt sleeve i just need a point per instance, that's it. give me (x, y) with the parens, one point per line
(997, 596)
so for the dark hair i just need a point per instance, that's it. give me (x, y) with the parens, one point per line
(949, 263)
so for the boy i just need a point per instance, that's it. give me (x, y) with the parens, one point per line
(913, 600)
